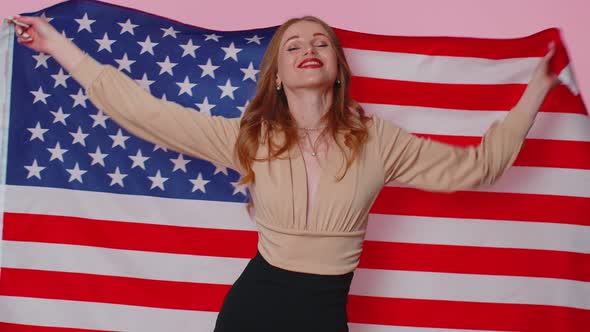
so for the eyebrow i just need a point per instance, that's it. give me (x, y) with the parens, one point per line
(296, 36)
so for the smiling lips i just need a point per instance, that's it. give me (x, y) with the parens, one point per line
(311, 63)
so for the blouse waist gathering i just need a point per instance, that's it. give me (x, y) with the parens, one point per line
(332, 253)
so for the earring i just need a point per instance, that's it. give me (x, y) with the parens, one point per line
(279, 87)
(338, 82)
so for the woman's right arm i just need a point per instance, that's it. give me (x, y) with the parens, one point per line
(165, 123)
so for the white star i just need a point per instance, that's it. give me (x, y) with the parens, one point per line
(125, 63)
(164, 97)
(166, 66)
(105, 43)
(119, 139)
(157, 181)
(239, 188)
(199, 183)
(189, 48)
(98, 157)
(40, 95)
(138, 160)
(60, 78)
(84, 23)
(47, 19)
(99, 119)
(220, 169)
(34, 170)
(41, 59)
(79, 137)
(208, 69)
(76, 173)
(250, 72)
(254, 39)
(37, 132)
(147, 46)
(186, 87)
(179, 163)
(57, 152)
(60, 116)
(117, 177)
(231, 52)
(205, 107)
(243, 108)
(157, 147)
(212, 36)
(79, 98)
(227, 89)
(128, 27)
(169, 32)
(145, 83)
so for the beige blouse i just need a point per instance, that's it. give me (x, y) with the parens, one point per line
(331, 240)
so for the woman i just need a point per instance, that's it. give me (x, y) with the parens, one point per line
(313, 160)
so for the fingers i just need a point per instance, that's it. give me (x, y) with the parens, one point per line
(23, 36)
(19, 23)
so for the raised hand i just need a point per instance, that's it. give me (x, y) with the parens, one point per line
(39, 35)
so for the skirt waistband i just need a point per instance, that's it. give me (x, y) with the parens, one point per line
(267, 271)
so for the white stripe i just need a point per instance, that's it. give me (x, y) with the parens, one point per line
(479, 233)
(367, 282)
(539, 181)
(114, 317)
(471, 288)
(412, 229)
(567, 78)
(416, 119)
(123, 263)
(130, 208)
(102, 316)
(438, 68)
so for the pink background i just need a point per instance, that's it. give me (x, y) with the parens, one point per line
(494, 18)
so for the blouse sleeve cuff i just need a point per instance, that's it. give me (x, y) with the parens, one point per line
(86, 71)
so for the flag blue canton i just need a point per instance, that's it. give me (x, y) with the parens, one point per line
(57, 138)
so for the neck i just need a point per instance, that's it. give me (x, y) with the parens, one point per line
(307, 106)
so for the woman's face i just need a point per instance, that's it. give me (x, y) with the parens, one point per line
(306, 58)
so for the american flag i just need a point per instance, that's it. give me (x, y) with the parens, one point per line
(102, 231)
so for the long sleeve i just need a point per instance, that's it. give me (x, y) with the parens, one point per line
(425, 164)
(165, 123)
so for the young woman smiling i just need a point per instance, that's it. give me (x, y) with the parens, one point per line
(313, 160)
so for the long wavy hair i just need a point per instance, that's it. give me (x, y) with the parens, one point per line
(270, 107)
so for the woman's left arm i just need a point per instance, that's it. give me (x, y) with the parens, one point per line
(436, 166)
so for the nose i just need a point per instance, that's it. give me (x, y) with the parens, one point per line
(310, 50)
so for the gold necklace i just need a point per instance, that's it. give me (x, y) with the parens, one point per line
(313, 146)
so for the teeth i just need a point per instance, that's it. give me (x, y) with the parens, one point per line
(311, 63)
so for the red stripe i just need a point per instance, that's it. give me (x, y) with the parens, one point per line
(466, 315)
(478, 97)
(377, 255)
(487, 48)
(361, 309)
(475, 260)
(535, 152)
(553, 153)
(484, 205)
(36, 328)
(129, 235)
(109, 289)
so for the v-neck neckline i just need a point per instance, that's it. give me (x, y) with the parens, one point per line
(310, 211)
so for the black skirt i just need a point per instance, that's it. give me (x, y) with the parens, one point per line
(268, 298)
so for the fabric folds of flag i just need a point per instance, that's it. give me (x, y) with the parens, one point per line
(102, 231)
